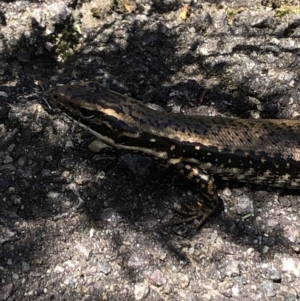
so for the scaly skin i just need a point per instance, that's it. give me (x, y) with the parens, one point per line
(260, 151)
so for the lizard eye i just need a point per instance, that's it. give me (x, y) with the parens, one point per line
(86, 113)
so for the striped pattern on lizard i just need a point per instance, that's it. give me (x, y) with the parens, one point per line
(202, 148)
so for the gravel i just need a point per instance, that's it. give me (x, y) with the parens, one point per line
(79, 221)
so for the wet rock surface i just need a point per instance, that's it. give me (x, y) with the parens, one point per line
(81, 225)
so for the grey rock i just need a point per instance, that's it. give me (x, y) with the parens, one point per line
(104, 267)
(157, 278)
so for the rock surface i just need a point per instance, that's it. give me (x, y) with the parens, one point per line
(75, 225)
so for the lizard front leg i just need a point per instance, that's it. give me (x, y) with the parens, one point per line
(208, 188)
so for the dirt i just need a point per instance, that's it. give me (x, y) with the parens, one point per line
(82, 225)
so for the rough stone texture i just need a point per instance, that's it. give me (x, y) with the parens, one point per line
(75, 225)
